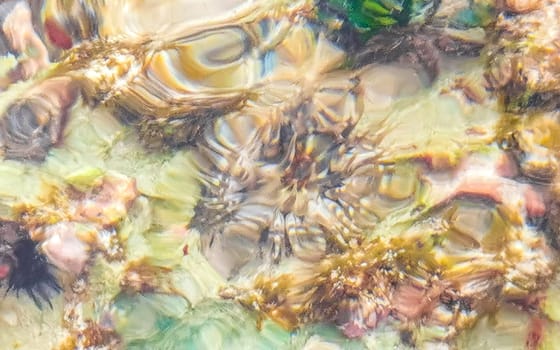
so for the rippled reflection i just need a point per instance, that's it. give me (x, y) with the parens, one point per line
(339, 173)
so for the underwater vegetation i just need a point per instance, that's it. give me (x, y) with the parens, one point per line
(522, 58)
(331, 174)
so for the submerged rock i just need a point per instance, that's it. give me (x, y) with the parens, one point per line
(187, 71)
(334, 206)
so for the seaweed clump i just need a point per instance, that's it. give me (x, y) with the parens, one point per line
(441, 271)
(411, 32)
(367, 17)
(523, 65)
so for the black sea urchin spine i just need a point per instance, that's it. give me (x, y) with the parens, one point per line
(32, 273)
(29, 270)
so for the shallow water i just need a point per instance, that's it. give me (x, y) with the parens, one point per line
(278, 175)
